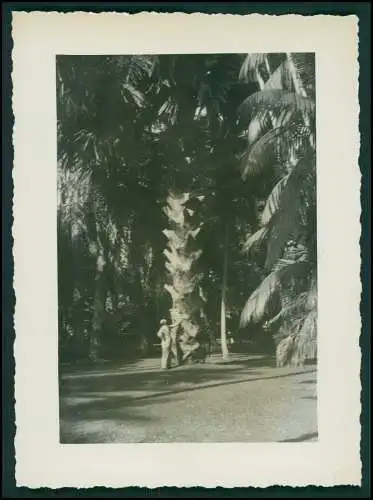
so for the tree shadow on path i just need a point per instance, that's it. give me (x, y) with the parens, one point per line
(95, 400)
(103, 406)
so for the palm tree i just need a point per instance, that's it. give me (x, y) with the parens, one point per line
(147, 130)
(223, 327)
(282, 138)
(100, 107)
(183, 142)
(126, 121)
(219, 93)
(182, 255)
(90, 234)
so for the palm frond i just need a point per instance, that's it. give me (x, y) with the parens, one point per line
(251, 167)
(255, 239)
(289, 271)
(279, 78)
(301, 260)
(258, 149)
(135, 67)
(273, 202)
(286, 225)
(260, 300)
(74, 191)
(286, 204)
(284, 117)
(287, 221)
(289, 312)
(258, 126)
(250, 66)
(259, 303)
(128, 91)
(275, 100)
(305, 66)
(289, 135)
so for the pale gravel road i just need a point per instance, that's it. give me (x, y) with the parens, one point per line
(246, 400)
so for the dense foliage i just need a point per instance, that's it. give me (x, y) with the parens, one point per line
(186, 191)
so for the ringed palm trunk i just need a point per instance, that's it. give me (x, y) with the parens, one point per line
(223, 329)
(183, 285)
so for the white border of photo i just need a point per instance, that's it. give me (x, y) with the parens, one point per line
(41, 461)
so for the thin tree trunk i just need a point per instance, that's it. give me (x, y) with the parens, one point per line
(223, 329)
(98, 305)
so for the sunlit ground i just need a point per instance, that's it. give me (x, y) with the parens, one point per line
(246, 399)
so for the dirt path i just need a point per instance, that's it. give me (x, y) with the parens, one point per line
(245, 400)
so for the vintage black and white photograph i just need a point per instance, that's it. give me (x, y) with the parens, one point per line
(187, 248)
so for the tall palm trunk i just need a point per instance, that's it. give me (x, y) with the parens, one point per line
(183, 281)
(223, 330)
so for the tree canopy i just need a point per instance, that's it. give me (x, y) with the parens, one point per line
(187, 189)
